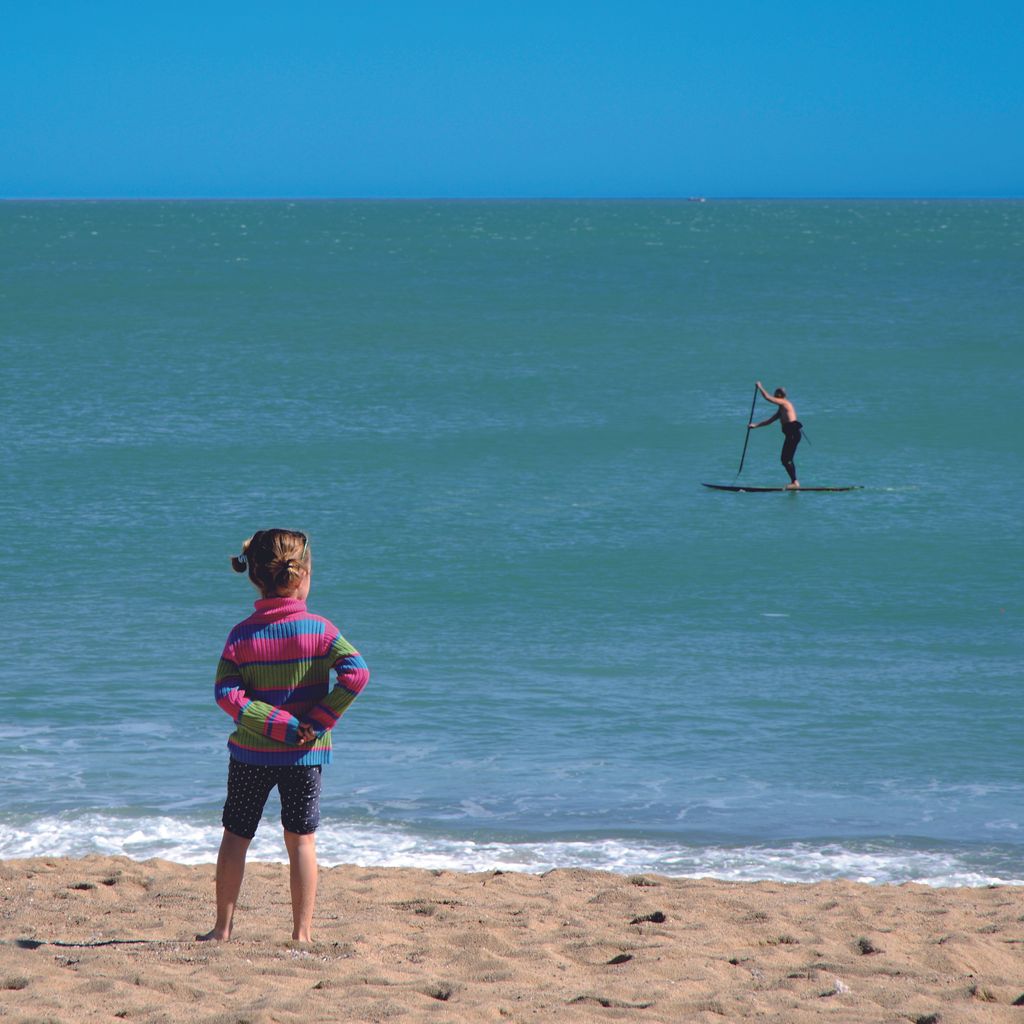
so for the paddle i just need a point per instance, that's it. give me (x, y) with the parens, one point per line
(747, 438)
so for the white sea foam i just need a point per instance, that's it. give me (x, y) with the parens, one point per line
(195, 842)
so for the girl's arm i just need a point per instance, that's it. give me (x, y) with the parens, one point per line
(253, 715)
(353, 676)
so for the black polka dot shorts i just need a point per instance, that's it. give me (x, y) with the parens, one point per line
(249, 785)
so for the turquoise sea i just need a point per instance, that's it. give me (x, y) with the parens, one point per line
(494, 420)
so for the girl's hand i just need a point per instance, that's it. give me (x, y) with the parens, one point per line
(306, 734)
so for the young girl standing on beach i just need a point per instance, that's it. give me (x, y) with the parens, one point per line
(274, 681)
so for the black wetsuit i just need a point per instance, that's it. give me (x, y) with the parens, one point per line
(792, 433)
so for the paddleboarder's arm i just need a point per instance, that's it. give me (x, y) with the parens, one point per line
(769, 398)
(763, 423)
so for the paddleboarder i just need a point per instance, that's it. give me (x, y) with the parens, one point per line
(791, 430)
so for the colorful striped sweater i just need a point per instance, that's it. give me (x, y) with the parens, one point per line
(274, 676)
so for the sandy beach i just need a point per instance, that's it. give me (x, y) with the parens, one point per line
(113, 939)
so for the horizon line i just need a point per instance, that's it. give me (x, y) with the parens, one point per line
(693, 198)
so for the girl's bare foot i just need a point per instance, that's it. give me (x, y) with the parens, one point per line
(213, 935)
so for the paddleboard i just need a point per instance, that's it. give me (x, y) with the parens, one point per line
(767, 490)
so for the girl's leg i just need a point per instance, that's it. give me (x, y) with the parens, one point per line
(300, 815)
(249, 785)
(303, 871)
(230, 871)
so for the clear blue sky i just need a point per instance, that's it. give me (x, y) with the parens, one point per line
(643, 98)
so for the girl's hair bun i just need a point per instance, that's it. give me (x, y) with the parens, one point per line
(276, 560)
(284, 570)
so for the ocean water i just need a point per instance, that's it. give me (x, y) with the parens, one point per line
(494, 420)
